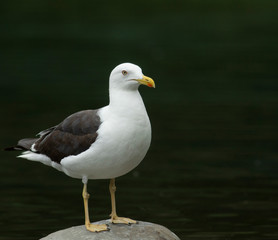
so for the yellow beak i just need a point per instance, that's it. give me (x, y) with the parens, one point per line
(146, 81)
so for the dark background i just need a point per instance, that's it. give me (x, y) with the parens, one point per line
(211, 171)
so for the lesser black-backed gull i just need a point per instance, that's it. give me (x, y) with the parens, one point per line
(99, 144)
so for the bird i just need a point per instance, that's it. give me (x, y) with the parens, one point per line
(103, 143)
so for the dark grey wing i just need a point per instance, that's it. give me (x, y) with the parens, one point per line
(71, 137)
(46, 131)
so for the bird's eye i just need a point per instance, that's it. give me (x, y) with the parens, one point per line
(124, 72)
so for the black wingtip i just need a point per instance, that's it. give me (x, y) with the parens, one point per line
(8, 149)
(16, 148)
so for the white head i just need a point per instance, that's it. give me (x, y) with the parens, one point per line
(128, 76)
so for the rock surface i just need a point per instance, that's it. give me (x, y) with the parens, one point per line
(140, 231)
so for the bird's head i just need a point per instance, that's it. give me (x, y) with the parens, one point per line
(129, 76)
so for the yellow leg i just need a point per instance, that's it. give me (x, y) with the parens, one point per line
(113, 215)
(88, 225)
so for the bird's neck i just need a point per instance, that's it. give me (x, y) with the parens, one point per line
(126, 102)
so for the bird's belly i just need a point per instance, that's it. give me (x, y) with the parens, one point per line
(116, 152)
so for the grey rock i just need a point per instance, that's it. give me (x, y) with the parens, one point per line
(139, 231)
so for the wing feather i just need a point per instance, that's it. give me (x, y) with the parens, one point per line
(71, 137)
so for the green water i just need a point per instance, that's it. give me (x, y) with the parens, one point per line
(211, 171)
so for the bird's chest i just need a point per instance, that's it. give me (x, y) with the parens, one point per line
(128, 133)
(126, 138)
